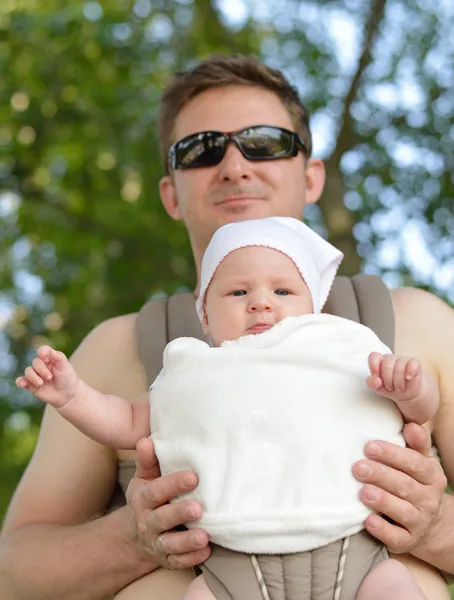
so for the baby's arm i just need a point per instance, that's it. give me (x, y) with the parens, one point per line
(402, 380)
(105, 418)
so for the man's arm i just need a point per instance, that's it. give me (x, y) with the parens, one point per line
(403, 484)
(50, 560)
(50, 546)
(439, 546)
(428, 322)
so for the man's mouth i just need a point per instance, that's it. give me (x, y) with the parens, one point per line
(238, 194)
(238, 200)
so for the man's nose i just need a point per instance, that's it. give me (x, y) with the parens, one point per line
(234, 166)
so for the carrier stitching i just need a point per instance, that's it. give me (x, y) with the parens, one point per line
(260, 578)
(341, 568)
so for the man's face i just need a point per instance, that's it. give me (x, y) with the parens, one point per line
(237, 189)
(253, 289)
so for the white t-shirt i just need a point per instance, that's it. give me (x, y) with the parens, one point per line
(272, 423)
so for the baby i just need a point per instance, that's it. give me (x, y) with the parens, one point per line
(265, 400)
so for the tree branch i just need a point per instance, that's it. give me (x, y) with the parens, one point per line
(372, 25)
(338, 219)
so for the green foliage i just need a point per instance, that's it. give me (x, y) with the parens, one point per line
(83, 236)
(80, 89)
(16, 445)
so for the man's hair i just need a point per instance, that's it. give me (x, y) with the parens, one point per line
(221, 71)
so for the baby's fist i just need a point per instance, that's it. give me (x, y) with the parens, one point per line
(396, 377)
(50, 377)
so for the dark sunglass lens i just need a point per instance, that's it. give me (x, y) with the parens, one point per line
(200, 150)
(266, 142)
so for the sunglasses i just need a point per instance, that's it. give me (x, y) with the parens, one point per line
(260, 142)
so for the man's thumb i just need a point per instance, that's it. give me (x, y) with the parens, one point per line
(147, 466)
(418, 439)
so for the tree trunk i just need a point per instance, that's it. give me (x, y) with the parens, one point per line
(339, 221)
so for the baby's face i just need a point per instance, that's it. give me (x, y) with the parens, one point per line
(253, 289)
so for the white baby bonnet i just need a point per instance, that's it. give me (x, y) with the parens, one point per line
(317, 260)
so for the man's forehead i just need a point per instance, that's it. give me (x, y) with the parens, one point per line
(229, 109)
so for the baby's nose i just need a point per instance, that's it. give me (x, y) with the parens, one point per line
(260, 304)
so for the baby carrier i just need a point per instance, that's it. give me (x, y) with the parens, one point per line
(333, 572)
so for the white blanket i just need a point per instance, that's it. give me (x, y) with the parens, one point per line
(272, 424)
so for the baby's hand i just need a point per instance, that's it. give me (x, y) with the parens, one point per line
(51, 377)
(395, 377)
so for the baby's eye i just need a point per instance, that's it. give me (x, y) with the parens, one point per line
(238, 293)
(281, 292)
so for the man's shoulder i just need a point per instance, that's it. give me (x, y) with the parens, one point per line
(111, 334)
(114, 326)
(107, 357)
(410, 302)
(423, 321)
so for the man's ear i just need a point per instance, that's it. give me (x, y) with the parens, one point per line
(169, 199)
(315, 180)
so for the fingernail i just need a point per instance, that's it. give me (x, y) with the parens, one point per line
(372, 494)
(189, 480)
(192, 513)
(364, 470)
(373, 522)
(373, 449)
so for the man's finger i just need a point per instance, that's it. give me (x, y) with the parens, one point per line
(181, 542)
(395, 538)
(169, 516)
(405, 460)
(147, 465)
(188, 560)
(418, 439)
(401, 511)
(155, 493)
(389, 480)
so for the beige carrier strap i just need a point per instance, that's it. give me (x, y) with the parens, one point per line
(364, 299)
(152, 336)
(160, 321)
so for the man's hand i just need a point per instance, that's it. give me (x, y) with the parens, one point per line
(404, 484)
(149, 495)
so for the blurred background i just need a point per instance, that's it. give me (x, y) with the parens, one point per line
(83, 236)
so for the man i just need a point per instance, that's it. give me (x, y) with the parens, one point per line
(54, 543)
